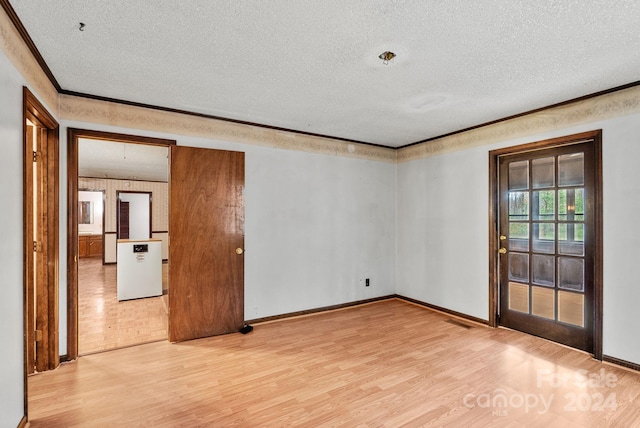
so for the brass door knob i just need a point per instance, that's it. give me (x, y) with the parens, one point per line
(502, 250)
(502, 237)
(239, 251)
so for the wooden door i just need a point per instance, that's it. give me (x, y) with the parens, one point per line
(123, 219)
(41, 218)
(40, 253)
(548, 243)
(30, 250)
(206, 242)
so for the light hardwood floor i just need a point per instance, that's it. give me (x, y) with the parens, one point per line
(103, 322)
(388, 363)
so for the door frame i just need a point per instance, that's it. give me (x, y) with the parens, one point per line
(33, 110)
(136, 192)
(494, 242)
(73, 135)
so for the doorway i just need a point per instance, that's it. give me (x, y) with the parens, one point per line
(111, 318)
(41, 217)
(206, 256)
(134, 214)
(546, 240)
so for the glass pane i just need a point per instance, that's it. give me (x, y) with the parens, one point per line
(544, 238)
(571, 204)
(543, 172)
(544, 205)
(544, 271)
(579, 205)
(519, 267)
(518, 206)
(543, 302)
(571, 239)
(579, 232)
(519, 297)
(571, 308)
(562, 205)
(571, 273)
(519, 236)
(519, 175)
(571, 169)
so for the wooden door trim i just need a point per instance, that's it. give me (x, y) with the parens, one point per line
(494, 198)
(35, 111)
(73, 135)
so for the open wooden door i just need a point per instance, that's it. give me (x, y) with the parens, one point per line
(206, 229)
(41, 218)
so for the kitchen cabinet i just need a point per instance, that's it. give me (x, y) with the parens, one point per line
(90, 246)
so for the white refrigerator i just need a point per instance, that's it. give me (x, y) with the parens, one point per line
(139, 271)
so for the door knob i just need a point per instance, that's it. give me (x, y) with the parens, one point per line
(502, 250)
(239, 251)
(502, 237)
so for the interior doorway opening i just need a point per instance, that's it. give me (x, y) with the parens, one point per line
(106, 162)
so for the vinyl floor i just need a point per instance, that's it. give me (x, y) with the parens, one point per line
(389, 363)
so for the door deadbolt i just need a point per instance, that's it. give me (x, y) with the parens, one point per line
(502, 250)
(502, 237)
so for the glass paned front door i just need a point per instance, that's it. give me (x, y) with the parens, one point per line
(541, 265)
(546, 229)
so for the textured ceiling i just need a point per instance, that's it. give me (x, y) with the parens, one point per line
(313, 66)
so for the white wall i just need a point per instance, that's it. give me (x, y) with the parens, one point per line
(443, 230)
(621, 182)
(11, 304)
(316, 227)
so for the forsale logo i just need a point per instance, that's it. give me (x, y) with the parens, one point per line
(579, 378)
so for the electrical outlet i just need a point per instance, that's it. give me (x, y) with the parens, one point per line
(366, 282)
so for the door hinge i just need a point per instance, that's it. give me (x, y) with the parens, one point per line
(35, 156)
(37, 246)
(38, 335)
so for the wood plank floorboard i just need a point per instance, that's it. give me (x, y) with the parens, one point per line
(388, 363)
